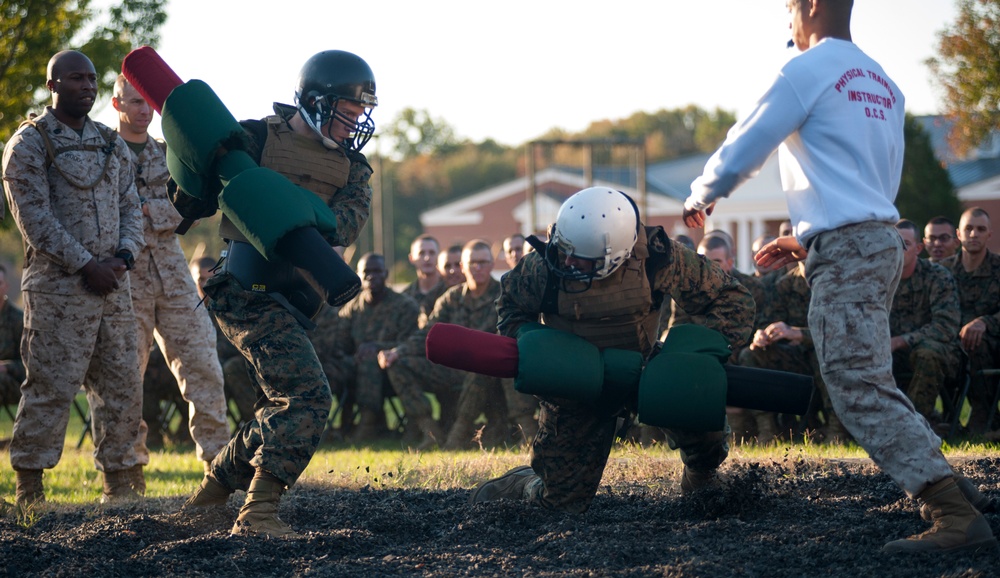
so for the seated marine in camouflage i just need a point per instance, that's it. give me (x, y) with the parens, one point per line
(923, 322)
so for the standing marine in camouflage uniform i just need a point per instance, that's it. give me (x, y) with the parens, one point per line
(164, 295)
(923, 322)
(11, 328)
(977, 273)
(315, 145)
(378, 318)
(602, 277)
(841, 159)
(70, 186)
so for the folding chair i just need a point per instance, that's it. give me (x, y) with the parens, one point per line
(85, 416)
(953, 393)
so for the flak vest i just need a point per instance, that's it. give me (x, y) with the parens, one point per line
(302, 160)
(616, 311)
(307, 163)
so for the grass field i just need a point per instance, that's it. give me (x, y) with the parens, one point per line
(175, 472)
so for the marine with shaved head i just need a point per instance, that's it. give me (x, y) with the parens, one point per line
(70, 187)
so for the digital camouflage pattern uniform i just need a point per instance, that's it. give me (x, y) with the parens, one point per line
(570, 451)
(979, 298)
(472, 394)
(753, 284)
(425, 300)
(853, 271)
(11, 328)
(72, 336)
(791, 305)
(925, 313)
(293, 394)
(386, 324)
(166, 300)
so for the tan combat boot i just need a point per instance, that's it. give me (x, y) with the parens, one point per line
(211, 493)
(259, 514)
(369, 426)
(957, 525)
(510, 485)
(767, 427)
(122, 485)
(978, 500)
(693, 480)
(741, 425)
(424, 434)
(30, 490)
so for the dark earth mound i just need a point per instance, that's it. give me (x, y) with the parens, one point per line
(804, 518)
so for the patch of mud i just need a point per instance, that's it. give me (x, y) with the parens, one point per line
(782, 518)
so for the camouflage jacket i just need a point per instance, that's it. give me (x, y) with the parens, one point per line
(753, 284)
(698, 286)
(978, 291)
(386, 324)
(63, 224)
(162, 257)
(791, 303)
(11, 327)
(460, 307)
(425, 300)
(925, 307)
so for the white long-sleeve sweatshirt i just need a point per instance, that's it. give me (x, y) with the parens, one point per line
(837, 120)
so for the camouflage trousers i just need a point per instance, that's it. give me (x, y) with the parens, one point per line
(293, 395)
(503, 406)
(853, 272)
(10, 389)
(799, 359)
(571, 450)
(413, 377)
(71, 340)
(185, 334)
(922, 370)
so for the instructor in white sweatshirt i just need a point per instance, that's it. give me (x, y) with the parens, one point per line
(836, 119)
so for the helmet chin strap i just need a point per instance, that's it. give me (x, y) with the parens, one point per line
(327, 141)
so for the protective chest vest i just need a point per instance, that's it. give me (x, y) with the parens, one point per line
(303, 161)
(616, 311)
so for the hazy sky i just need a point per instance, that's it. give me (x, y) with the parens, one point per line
(512, 70)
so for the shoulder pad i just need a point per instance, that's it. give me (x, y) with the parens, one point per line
(658, 243)
(357, 157)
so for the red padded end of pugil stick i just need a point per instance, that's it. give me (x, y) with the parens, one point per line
(471, 350)
(150, 75)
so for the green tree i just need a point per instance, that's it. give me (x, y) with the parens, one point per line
(968, 67)
(31, 31)
(417, 133)
(925, 189)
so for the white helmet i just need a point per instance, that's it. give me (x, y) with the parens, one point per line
(598, 224)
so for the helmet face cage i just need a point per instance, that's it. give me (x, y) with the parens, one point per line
(327, 79)
(326, 108)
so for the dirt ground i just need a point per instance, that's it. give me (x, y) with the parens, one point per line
(784, 518)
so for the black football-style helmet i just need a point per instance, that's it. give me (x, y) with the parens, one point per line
(326, 79)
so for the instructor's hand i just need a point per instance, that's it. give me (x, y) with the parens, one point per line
(695, 219)
(780, 252)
